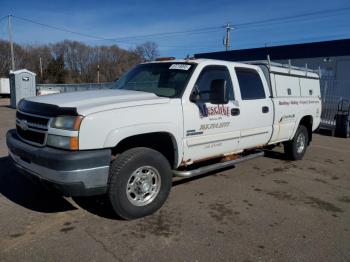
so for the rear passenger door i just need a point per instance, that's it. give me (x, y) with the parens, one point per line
(256, 107)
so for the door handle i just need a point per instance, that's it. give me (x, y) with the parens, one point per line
(235, 111)
(265, 109)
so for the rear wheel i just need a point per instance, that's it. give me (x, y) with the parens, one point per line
(140, 182)
(295, 149)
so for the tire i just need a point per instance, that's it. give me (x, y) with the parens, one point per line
(140, 181)
(295, 149)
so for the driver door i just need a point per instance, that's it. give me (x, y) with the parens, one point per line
(209, 129)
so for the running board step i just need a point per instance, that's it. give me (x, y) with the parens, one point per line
(217, 166)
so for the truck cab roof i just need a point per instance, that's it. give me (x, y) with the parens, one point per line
(272, 67)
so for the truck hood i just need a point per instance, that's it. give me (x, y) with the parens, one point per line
(88, 102)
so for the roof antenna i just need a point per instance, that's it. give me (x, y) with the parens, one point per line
(269, 61)
(306, 69)
(289, 65)
(319, 71)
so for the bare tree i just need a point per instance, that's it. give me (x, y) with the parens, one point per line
(5, 57)
(148, 51)
(5, 64)
(75, 62)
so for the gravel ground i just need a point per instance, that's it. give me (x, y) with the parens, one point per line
(267, 209)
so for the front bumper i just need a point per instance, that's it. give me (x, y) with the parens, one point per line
(73, 173)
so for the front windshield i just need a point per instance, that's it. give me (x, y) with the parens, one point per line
(162, 79)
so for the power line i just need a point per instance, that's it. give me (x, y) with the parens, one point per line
(4, 17)
(2, 29)
(258, 22)
(113, 39)
(325, 13)
(213, 41)
(292, 17)
(59, 28)
(195, 31)
(123, 39)
(160, 37)
(284, 23)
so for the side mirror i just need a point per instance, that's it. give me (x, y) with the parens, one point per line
(218, 92)
(194, 97)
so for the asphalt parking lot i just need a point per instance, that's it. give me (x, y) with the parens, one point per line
(267, 209)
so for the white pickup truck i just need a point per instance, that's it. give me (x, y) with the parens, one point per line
(163, 119)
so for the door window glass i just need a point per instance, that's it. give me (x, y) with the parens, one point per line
(250, 84)
(207, 76)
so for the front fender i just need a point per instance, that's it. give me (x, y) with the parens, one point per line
(115, 136)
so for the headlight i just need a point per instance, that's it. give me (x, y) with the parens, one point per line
(65, 142)
(67, 122)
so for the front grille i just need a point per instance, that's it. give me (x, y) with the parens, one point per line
(31, 136)
(32, 128)
(33, 120)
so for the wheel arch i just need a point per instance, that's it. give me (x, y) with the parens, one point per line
(307, 121)
(163, 142)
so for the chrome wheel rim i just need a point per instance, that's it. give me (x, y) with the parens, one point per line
(143, 186)
(301, 141)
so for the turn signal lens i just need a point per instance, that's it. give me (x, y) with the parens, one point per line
(74, 143)
(77, 123)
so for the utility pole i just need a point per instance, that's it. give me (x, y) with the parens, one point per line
(41, 67)
(98, 64)
(11, 42)
(98, 73)
(227, 39)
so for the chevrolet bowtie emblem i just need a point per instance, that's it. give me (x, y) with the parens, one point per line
(23, 124)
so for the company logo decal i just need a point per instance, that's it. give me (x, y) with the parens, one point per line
(218, 110)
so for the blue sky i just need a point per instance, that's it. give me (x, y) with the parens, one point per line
(118, 19)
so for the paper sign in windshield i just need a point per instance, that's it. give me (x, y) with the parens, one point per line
(180, 66)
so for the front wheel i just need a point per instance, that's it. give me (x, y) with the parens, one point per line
(295, 149)
(140, 182)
